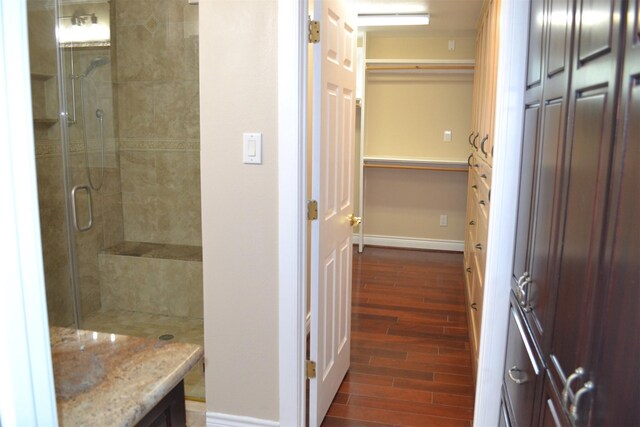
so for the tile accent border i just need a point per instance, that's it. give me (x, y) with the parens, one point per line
(159, 144)
(216, 419)
(51, 147)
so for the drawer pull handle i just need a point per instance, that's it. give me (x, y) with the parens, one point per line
(468, 269)
(475, 187)
(470, 135)
(469, 160)
(482, 145)
(586, 388)
(482, 202)
(483, 176)
(521, 377)
(472, 222)
(474, 306)
(578, 373)
(479, 246)
(474, 141)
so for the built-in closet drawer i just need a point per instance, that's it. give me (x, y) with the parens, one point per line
(551, 413)
(503, 421)
(523, 370)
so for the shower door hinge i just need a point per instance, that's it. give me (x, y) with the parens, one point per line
(312, 210)
(310, 369)
(314, 31)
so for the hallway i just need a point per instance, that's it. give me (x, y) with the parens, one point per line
(410, 356)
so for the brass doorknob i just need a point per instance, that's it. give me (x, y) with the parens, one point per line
(354, 220)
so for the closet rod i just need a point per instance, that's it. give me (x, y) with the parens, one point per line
(418, 67)
(425, 168)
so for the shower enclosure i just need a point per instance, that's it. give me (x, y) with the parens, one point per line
(116, 124)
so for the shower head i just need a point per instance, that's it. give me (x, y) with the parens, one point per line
(95, 63)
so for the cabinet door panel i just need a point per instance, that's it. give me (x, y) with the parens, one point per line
(529, 139)
(595, 28)
(617, 379)
(534, 63)
(548, 171)
(582, 228)
(558, 35)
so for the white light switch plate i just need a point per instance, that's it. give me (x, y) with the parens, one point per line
(252, 148)
(447, 136)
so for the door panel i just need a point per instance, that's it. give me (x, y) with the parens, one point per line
(558, 35)
(580, 243)
(530, 138)
(595, 27)
(541, 250)
(617, 378)
(332, 186)
(534, 64)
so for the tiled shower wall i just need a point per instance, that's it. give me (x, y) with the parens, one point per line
(152, 187)
(158, 111)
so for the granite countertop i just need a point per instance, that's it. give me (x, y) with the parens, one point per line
(106, 379)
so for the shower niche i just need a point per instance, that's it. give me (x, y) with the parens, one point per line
(116, 125)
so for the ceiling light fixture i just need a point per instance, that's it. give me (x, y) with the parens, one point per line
(391, 19)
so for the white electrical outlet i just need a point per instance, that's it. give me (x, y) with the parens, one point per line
(444, 220)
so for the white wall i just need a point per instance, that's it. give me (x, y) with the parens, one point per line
(238, 93)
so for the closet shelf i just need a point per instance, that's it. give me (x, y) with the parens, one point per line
(417, 65)
(415, 163)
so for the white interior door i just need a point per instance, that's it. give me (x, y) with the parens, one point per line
(334, 84)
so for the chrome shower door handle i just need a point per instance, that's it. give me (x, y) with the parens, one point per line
(74, 208)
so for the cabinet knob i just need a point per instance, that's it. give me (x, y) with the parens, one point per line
(518, 376)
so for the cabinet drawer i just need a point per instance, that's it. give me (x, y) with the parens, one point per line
(522, 372)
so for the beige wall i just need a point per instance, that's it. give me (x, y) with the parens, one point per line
(406, 116)
(238, 93)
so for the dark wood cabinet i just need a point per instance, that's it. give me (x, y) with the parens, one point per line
(576, 270)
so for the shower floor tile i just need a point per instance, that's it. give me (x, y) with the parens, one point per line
(184, 329)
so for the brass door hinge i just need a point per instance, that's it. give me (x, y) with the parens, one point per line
(314, 31)
(312, 210)
(310, 369)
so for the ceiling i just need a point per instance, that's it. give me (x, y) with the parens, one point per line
(446, 15)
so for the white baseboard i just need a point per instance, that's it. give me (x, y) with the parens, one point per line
(411, 243)
(215, 419)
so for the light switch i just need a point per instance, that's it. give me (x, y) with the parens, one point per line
(447, 136)
(252, 148)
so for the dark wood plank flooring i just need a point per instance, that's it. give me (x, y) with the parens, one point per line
(410, 351)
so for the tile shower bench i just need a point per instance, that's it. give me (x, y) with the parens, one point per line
(104, 379)
(154, 278)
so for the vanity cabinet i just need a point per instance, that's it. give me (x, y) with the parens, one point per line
(480, 170)
(573, 279)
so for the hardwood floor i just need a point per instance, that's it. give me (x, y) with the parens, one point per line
(410, 351)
